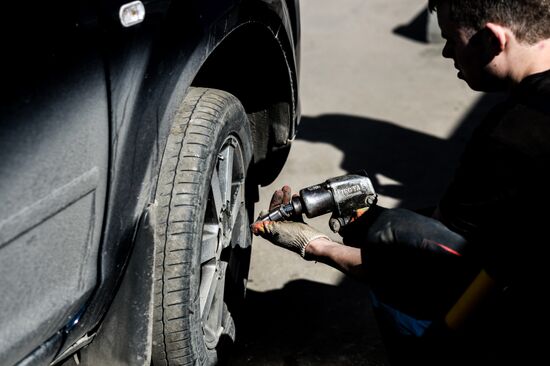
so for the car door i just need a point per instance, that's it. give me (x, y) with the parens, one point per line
(53, 168)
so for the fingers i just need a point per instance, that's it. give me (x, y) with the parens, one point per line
(280, 197)
(261, 228)
(286, 195)
(276, 199)
(358, 213)
(258, 227)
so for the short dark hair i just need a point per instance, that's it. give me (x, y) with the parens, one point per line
(528, 19)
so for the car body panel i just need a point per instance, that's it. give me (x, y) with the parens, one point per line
(123, 97)
(53, 169)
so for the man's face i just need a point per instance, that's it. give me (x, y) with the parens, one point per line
(470, 51)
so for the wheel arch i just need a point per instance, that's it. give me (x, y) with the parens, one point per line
(254, 64)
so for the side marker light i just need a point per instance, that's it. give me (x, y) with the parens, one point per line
(132, 13)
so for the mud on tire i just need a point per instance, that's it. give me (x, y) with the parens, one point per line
(203, 242)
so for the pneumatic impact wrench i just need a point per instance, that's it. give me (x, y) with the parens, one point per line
(342, 196)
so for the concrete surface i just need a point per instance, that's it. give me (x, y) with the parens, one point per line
(376, 96)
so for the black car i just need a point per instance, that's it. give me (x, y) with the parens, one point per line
(133, 139)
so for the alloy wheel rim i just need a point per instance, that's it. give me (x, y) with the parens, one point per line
(221, 230)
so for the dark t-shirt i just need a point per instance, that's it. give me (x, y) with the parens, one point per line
(498, 199)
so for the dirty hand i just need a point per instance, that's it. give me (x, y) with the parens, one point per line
(292, 235)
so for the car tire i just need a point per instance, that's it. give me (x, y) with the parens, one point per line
(203, 238)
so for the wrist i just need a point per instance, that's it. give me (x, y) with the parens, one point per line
(317, 248)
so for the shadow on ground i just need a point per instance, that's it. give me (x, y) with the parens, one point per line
(307, 323)
(421, 164)
(416, 29)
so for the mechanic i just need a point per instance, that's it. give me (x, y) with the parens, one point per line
(483, 248)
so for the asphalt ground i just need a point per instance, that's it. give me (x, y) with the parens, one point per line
(375, 96)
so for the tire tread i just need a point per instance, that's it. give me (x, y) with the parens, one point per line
(178, 197)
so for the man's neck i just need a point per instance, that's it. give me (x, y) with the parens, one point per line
(530, 60)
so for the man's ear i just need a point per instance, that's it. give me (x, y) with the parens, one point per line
(498, 36)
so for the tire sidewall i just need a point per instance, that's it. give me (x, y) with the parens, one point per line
(233, 121)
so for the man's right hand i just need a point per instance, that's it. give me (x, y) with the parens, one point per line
(355, 233)
(399, 229)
